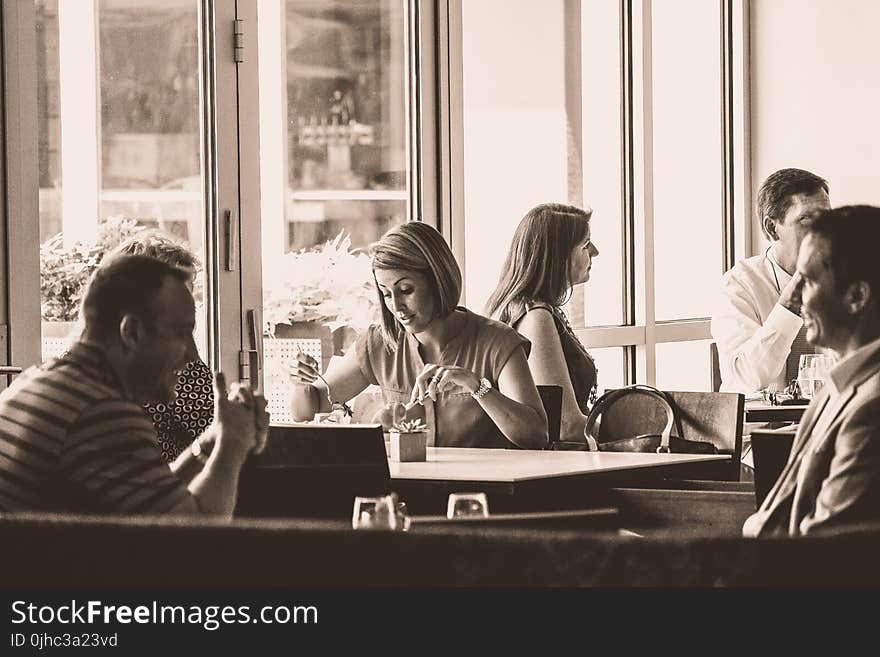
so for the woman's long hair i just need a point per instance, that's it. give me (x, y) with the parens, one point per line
(538, 265)
(417, 247)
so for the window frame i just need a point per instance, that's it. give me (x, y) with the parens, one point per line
(434, 78)
(220, 167)
(641, 331)
(22, 239)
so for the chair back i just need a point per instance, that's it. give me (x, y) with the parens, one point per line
(770, 450)
(314, 471)
(8, 371)
(714, 367)
(714, 417)
(551, 397)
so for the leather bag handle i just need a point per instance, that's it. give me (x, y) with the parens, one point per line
(606, 400)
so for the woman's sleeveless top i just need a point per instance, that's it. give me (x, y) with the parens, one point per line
(582, 369)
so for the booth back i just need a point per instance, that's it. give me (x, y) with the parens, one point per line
(151, 552)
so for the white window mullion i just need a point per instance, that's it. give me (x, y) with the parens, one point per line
(742, 172)
(643, 186)
(682, 330)
(451, 117)
(574, 127)
(611, 336)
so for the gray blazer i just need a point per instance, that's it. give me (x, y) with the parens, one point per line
(832, 477)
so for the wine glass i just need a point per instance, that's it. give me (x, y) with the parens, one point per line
(812, 370)
(805, 374)
(462, 505)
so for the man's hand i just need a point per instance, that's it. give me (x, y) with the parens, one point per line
(790, 296)
(234, 413)
(245, 396)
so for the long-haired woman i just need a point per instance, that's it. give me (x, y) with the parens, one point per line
(551, 252)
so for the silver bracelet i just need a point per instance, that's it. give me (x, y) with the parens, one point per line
(485, 386)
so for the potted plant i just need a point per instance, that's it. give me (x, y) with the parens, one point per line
(409, 441)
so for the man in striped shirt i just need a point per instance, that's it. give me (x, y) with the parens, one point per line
(73, 432)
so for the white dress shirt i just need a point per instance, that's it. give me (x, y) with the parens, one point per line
(753, 332)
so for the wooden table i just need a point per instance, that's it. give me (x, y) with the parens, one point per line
(763, 412)
(524, 480)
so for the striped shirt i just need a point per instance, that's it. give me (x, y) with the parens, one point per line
(72, 439)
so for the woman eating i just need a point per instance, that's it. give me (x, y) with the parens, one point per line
(470, 373)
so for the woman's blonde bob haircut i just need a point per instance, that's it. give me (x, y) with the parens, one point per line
(417, 247)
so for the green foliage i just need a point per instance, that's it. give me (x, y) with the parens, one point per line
(331, 284)
(64, 271)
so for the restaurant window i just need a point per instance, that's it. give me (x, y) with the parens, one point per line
(683, 365)
(617, 113)
(334, 170)
(687, 165)
(278, 162)
(119, 143)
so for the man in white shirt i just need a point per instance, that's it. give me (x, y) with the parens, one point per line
(757, 322)
(832, 477)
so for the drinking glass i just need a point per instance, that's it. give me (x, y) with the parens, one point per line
(390, 414)
(375, 513)
(395, 412)
(812, 370)
(467, 504)
(403, 519)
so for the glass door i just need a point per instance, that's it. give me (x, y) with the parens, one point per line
(334, 172)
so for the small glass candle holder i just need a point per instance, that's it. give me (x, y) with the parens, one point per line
(462, 505)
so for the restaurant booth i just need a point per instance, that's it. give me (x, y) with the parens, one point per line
(44, 550)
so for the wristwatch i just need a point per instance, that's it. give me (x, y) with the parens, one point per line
(196, 450)
(485, 386)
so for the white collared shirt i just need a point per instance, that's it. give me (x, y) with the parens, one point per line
(753, 332)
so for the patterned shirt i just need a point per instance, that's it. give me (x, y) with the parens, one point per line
(181, 421)
(72, 439)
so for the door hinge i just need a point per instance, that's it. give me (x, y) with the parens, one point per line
(238, 40)
(248, 367)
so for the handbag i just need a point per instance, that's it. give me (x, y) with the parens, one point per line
(662, 443)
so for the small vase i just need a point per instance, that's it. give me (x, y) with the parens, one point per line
(407, 447)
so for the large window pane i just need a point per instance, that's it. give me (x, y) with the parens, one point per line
(535, 132)
(687, 167)
(119, 140)
(333, 167)
(610, 363)
(516, 151)
(684, 366)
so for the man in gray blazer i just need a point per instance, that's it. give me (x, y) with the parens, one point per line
(832, 477)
